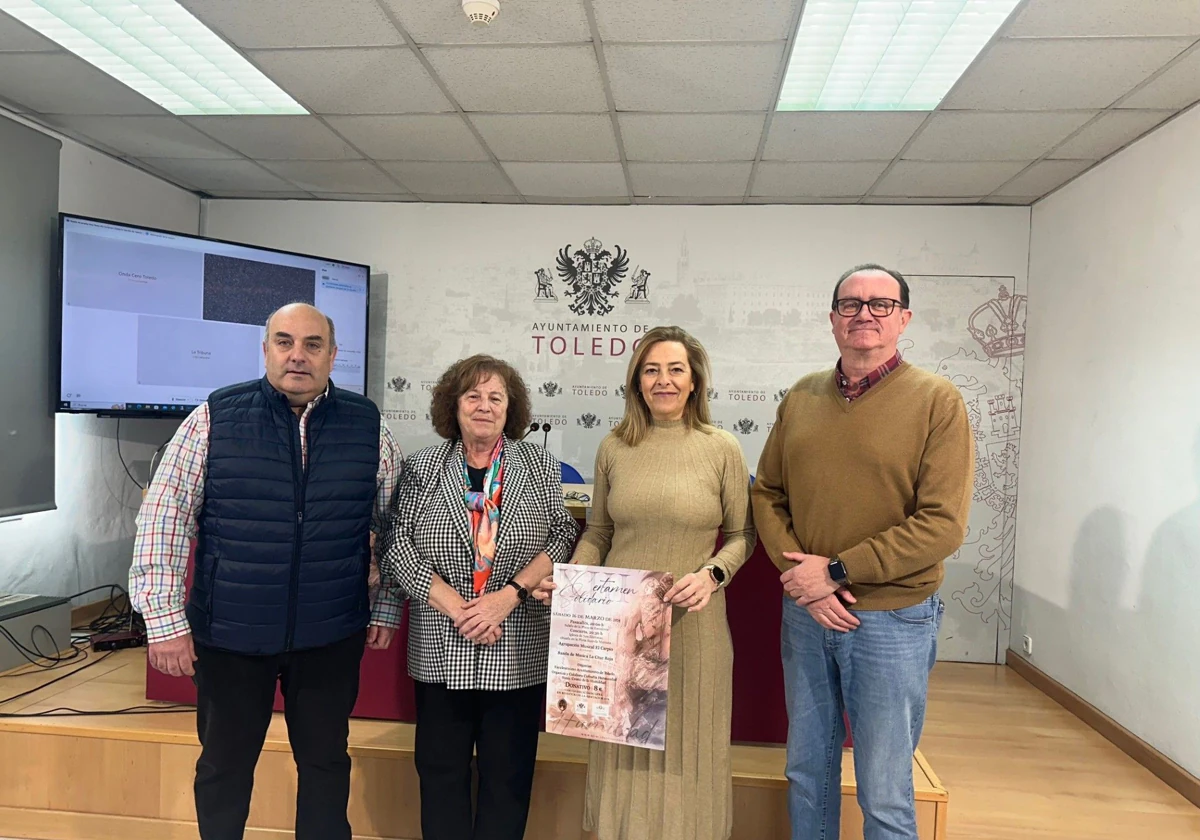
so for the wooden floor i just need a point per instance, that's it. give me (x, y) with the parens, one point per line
(1018, 766)
(58, 791)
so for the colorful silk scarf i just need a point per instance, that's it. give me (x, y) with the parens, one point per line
(484, 512)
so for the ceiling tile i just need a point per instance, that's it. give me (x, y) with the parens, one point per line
(1114, 18)
(450, 179)
(1028, 75)
(471, 199)
(690, 179)
(691, 137)
(231, 176)
(277, 137)
(840, 135)
(1010, 199)
(1110, 132)
(327, 196)
(382, 81)
(608, 200)
(803, 199)
(568, 180)
(357, 176)
(923, 199)
(694, 20)
(694, 77)
(17, 37)
(549, 137)
(297, 23)
(918, 178)
(61, 83)
(144, 136)
(522, 79)
(418, 137)
(255, 194)
(521, 22)
(815, 179)
(691, 199)
(1177, 87)
(1008, 135)
(1044, 176)
(96, 144)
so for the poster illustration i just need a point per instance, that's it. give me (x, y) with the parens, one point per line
(610, 644)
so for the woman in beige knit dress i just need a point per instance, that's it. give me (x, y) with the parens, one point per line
(667, 482)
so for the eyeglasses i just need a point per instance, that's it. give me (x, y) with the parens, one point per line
(880, 307)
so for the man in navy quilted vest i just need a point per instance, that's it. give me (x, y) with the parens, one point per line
(281, 482)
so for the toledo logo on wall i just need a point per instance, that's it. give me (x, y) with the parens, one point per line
(592, 276)
(591, 281)
(745, 426)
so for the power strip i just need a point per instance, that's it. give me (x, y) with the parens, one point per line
(118, 640)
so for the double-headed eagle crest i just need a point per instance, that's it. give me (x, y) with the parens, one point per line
(592, 274)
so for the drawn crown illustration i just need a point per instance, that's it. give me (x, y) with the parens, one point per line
(999, 325)
(592, 246)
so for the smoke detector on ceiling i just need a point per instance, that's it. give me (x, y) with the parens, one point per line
(481, 12)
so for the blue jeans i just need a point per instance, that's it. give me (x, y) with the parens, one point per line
(879, 674)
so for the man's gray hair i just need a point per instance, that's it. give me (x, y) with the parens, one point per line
(328, 320)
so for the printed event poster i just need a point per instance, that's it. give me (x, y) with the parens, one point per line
(610, 644)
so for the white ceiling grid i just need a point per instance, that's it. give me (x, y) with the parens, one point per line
(617, 101)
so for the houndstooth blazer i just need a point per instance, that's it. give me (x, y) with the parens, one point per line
(430, 532)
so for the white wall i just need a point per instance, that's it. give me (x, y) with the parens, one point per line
(1108, 585)
(752, 283)
(88, 540)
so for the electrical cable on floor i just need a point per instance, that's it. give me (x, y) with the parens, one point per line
(63, 711)
(51, 682)
(113, 617)
(34, 657)
(117, 615)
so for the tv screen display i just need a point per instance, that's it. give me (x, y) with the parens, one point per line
(152, 321)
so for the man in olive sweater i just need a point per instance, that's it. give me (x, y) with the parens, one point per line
(862, 492)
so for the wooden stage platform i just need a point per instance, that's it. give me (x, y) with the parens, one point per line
(129, 777)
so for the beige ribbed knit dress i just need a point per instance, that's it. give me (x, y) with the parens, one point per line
(660, 506)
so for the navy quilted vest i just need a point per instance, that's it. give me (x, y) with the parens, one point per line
(282, 554)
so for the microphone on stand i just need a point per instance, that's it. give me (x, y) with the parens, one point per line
(545, 436)
(533, 427)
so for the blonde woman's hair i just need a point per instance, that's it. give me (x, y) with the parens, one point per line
(636, 423)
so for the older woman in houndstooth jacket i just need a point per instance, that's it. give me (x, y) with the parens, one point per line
(478, 521)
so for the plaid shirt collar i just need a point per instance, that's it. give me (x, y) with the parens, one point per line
(321, 396)
(852, 391)
(313, 403)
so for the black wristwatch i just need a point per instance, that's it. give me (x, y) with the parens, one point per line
(522, 592)
(837, 571)
(718, 574)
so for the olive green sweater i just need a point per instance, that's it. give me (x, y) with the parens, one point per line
(883, 482)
